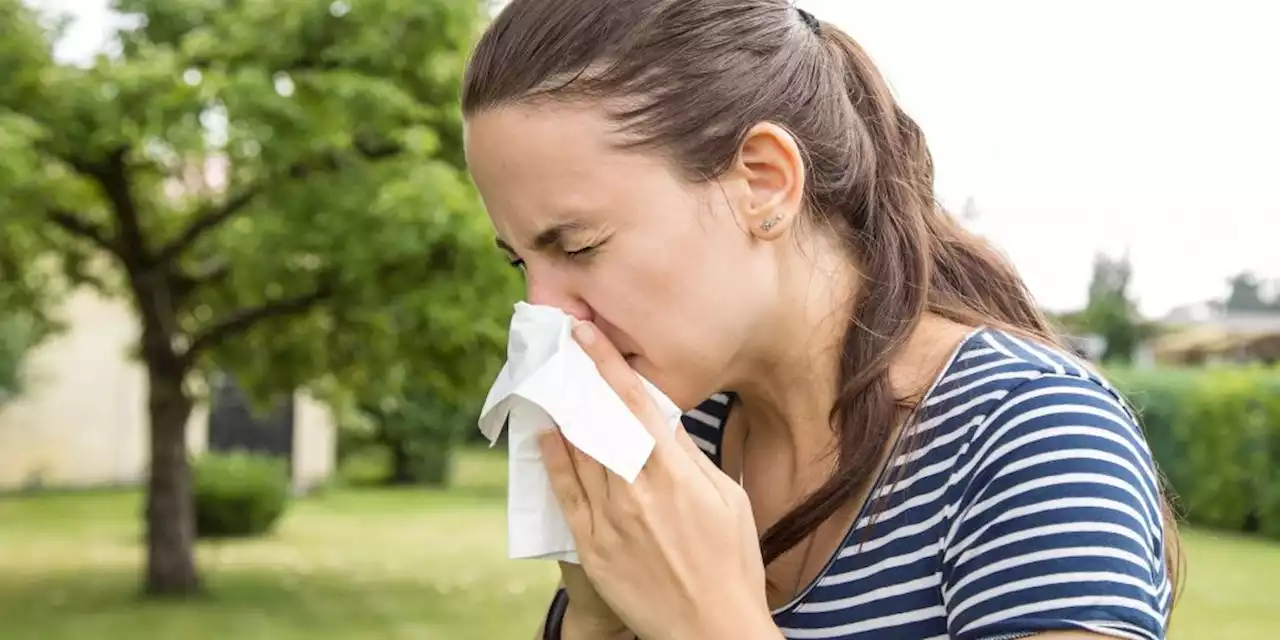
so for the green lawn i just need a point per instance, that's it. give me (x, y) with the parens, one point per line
(386, 564)
(393, 564)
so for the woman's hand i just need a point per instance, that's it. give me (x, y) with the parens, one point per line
(675, 554)
(588, 616)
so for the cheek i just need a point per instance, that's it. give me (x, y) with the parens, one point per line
(627, 291)
(669, 306)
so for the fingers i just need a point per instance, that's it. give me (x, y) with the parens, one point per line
(701, 460)
(565, 483)
(592, 476)
(615, 370)
(621, 377)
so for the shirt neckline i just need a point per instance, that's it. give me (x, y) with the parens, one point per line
(963, 346)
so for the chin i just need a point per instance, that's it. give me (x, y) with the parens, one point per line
(642, 367)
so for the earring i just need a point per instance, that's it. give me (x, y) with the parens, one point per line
(770, 223)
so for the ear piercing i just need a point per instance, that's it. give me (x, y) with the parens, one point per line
(770, 223)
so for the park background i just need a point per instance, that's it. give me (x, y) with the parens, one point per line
(245, 225)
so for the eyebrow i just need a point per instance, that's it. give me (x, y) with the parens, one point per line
(548, 237)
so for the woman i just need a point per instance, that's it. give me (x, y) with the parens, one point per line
(726, 196)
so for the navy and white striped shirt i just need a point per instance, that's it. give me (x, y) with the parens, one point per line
(1025, 502)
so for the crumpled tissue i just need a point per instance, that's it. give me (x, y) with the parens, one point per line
(549, 381)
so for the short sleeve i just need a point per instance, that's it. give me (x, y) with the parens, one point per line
(1056, 520)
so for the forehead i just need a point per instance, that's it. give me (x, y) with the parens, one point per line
(540, 165)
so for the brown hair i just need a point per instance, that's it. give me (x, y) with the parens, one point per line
(688, 78)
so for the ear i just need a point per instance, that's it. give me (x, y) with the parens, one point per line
(769, 174)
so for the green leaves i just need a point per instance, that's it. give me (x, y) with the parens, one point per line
(294, 172)
(276, 188)
(1215, 433)
(1111, 311)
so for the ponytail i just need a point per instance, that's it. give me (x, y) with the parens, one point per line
(914, 258)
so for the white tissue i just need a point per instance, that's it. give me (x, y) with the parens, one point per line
(549, 381)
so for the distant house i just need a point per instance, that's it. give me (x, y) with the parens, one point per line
(1200, 335)
(81, 421)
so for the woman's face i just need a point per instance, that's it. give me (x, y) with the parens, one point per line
(675, 274)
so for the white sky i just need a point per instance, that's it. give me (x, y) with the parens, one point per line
(1076, 126)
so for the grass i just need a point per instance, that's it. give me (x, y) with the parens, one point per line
(404, 563)
(1230, 590)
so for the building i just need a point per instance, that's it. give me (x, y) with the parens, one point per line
(81, 421)
(1195, 336)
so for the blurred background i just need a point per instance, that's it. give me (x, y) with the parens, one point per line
(245, 283)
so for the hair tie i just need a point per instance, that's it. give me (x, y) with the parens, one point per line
(810, 21)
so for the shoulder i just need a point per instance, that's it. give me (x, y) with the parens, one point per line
(995, 371)
(1037, 393)
(999, 380)
(1055, 515)
(1041, 410)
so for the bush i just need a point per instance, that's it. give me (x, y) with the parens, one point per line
(408, 438)
(239, 494)
(1215, 433)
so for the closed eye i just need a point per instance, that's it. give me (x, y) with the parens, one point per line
(586, 251)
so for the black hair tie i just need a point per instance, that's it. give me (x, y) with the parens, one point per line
(810, 21)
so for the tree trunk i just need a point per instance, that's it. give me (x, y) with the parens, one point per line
(401, 464)
(428, 464)
(171, 568)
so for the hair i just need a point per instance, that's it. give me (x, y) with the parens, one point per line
(689, 78)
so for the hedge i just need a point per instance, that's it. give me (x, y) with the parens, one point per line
(1215, 433)
(239, 494)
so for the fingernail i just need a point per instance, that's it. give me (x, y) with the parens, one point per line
(547, 440)
(584, 332)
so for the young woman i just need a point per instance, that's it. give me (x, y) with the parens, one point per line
(726, 196)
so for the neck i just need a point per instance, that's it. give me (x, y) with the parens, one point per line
(788, 385)
(786, 382)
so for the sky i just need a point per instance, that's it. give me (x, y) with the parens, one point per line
(1146, 126)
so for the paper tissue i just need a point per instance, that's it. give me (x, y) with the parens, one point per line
(548, 381)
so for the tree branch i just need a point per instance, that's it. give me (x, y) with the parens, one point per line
(115, 183)
(213, 217)
(83, 229)
(244, 319)
(209, 219)
(210, 273)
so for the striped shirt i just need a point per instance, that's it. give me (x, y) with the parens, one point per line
(1025, 501)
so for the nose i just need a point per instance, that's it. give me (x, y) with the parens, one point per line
(552, 292)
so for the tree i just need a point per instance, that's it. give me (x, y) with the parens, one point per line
(418, 432)
(1111, 311)
(24, 320)
(1247, 293)
(18, 334)
(276, 189)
